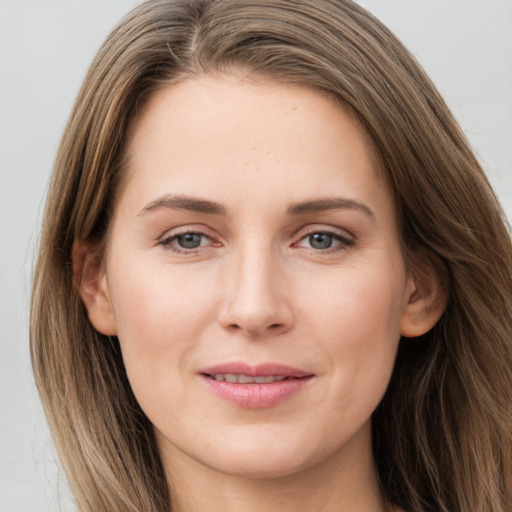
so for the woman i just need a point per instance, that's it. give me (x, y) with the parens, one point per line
(272, 274)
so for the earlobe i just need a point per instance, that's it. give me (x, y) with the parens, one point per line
(90, 281)
(427, 299)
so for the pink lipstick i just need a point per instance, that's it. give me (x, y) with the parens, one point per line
(254, 387)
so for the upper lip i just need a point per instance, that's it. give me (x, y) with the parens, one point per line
(259, 370)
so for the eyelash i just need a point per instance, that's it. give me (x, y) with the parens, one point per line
(345, 242)
(171, 242)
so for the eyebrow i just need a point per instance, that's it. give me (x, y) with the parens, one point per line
(213, 208)
(184, 203)
(331, 203)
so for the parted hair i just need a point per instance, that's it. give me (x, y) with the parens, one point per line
(442, 435)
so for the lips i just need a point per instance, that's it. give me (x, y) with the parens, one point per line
(246, 379)
(253, 387)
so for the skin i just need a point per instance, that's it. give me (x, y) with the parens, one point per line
(257, 289)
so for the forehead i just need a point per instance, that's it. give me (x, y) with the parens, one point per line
(232, 99)
(206, 132)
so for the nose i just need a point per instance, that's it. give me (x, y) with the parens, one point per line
(255, 295)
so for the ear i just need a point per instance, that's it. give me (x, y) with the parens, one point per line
(427, 295)
(90, 281)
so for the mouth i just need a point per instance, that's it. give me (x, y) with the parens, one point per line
(254, 387)
(233, 378)
(228, 372)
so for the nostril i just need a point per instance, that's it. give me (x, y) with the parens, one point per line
(256, 330)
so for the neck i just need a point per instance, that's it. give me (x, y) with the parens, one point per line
(339, 482)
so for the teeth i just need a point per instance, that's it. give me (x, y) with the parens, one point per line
(267, 380)
(246, 379)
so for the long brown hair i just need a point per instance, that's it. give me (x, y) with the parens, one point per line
(442, 435)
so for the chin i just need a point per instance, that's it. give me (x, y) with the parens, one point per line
(274, 455)
(260, 464)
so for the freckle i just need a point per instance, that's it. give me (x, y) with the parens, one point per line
(294, 108)
(254, 148)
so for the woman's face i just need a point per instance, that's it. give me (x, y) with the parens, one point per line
(255, 277)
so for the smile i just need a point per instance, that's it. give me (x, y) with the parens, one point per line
(255, 387)
(246, 379)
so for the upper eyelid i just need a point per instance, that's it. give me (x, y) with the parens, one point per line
(297, 235)
(322, 228)
(177, 235)
(344, 242)
(169, 243)
(168, 240)
(182, 230)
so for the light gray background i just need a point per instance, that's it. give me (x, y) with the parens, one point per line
(45, 48)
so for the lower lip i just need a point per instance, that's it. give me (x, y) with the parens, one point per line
(256, 396)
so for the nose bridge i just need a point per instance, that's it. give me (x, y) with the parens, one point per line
(255, 276)
(256, 300)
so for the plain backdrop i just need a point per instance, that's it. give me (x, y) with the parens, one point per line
(45, 49)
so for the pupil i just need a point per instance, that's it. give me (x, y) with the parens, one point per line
(320, 241)
(189, 241)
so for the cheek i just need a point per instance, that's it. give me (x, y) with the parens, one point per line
(354, 300)
(161, 316)
(158, 299)
(355, 314)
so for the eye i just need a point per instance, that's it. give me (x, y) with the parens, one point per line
(325, 241)
(186, 242)
(320, 240)
(190, 240)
